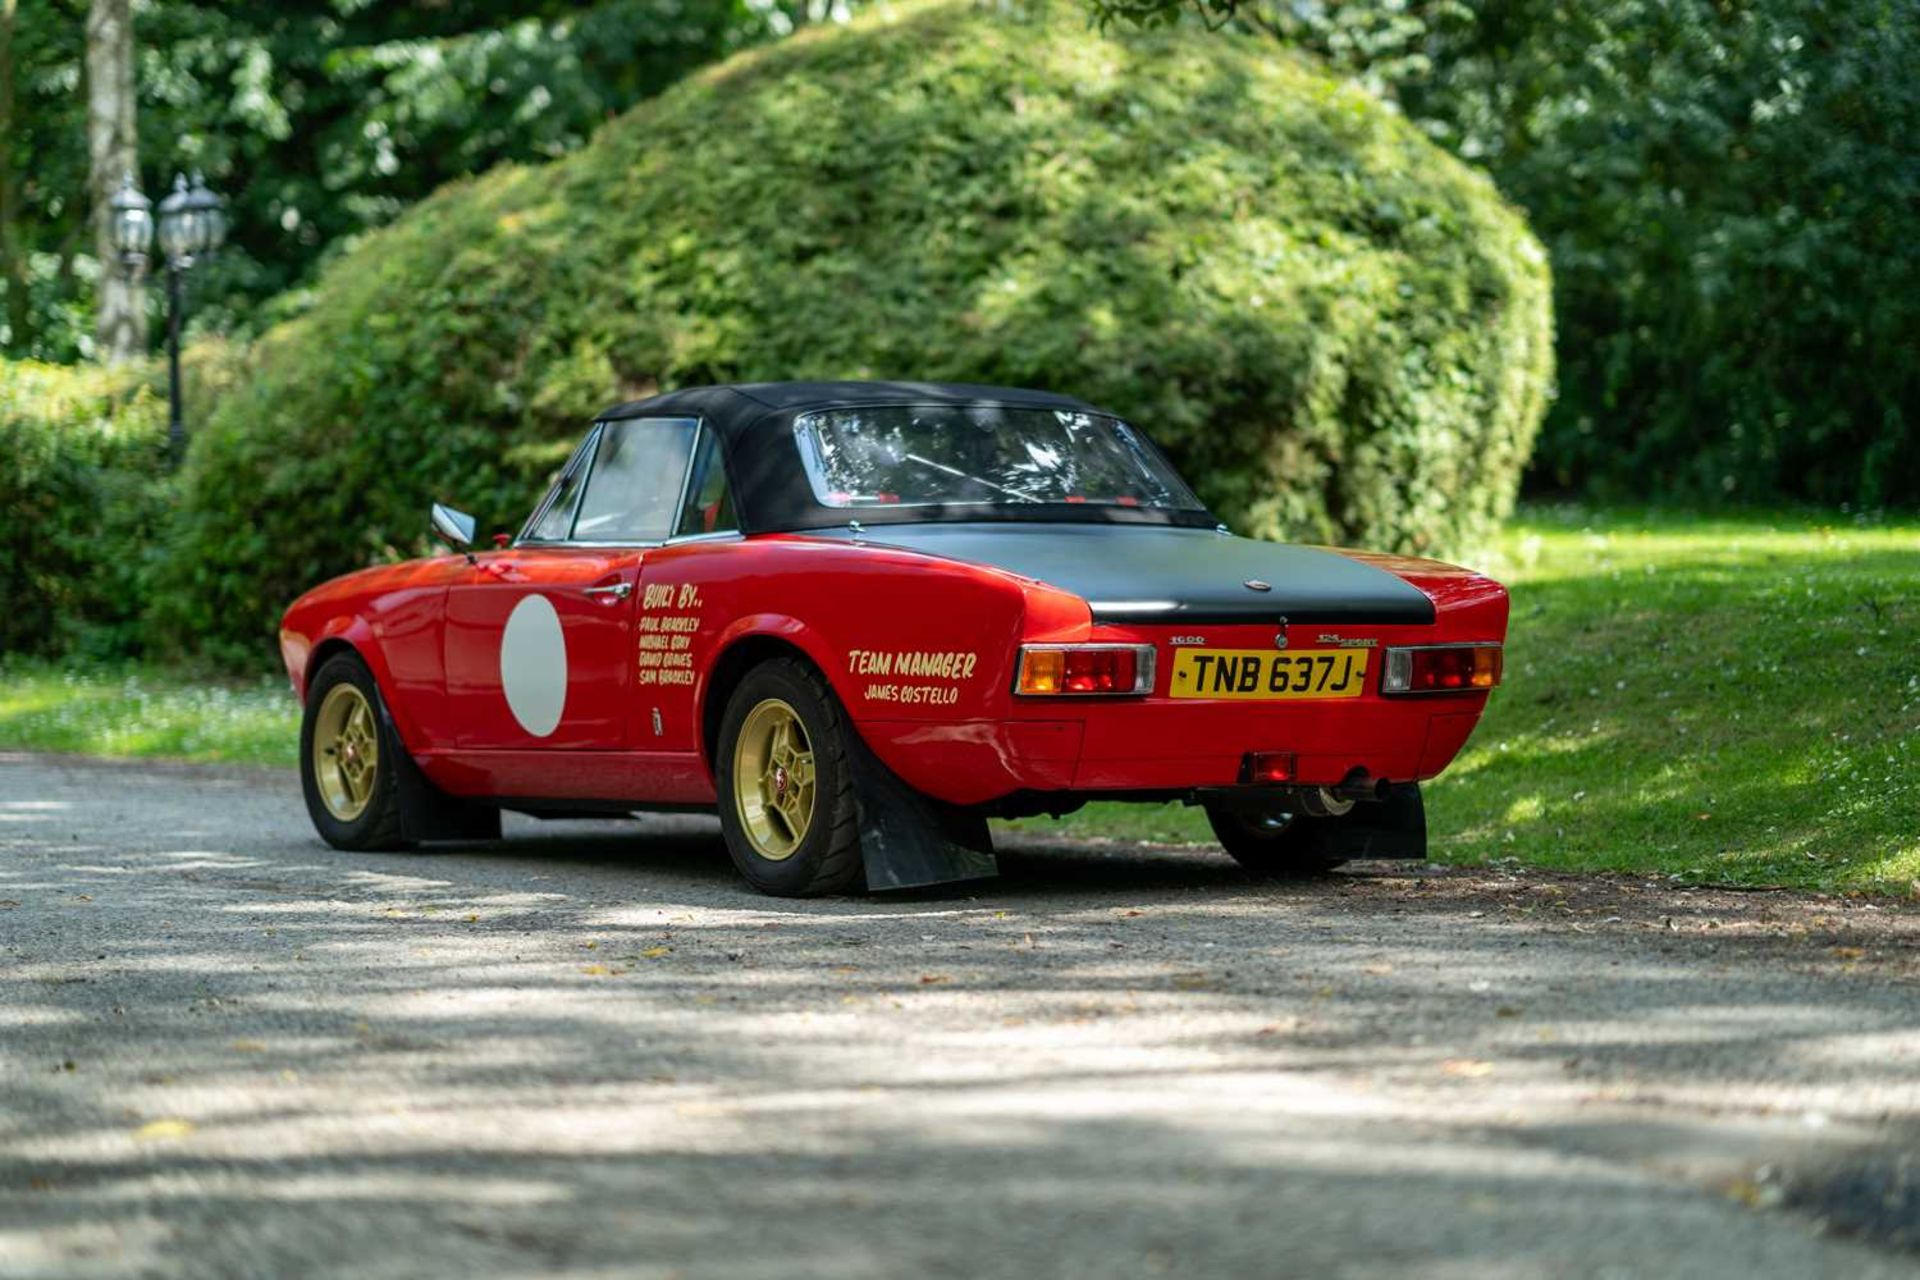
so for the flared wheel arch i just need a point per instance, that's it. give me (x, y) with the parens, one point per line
(729, 669)
(361, 646)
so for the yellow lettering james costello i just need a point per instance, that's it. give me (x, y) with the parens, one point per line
(926, 663)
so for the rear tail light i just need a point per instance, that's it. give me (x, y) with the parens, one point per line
(1065, 670)
(1446, 668)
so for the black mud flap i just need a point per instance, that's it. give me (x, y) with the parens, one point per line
(909, 841)
(427, 812)
(1395, 827)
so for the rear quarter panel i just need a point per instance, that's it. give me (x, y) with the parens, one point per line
(918, 649)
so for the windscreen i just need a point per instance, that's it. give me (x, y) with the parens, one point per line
(973, 455)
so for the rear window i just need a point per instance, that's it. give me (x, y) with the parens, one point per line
(912, 456)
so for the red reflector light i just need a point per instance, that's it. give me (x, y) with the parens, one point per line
(1268, 766)
(1051, 670)
(1459, 668)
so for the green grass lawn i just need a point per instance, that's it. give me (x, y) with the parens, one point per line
(143, 711)
(1728, 700)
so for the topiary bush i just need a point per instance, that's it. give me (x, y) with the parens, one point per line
(83, 482)
(1339, 332)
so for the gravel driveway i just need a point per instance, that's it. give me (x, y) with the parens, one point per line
(227, 1050)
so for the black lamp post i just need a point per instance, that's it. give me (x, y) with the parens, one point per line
(193, 223)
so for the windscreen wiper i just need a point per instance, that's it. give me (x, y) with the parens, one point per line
(955, 471)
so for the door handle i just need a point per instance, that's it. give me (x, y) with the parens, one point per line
(617, 590)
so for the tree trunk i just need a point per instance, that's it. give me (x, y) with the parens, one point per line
(19, 313)
(121, 322)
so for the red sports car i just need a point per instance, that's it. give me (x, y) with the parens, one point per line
(859, 619)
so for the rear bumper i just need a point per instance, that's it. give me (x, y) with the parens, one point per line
(1176, 746)
(1159, 745)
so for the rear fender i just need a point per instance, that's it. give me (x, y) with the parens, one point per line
(907, 839)
(710, 696)
(775, 626)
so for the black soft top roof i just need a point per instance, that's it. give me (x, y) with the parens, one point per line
(747, 401)
(771, 492)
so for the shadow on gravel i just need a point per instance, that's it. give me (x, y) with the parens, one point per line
(582, 1052)
(1027, 868)
(692, 846)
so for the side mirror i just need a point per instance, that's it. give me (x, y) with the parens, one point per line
(455, 528)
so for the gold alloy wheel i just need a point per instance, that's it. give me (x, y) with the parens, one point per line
(773, 780)
(346, 752)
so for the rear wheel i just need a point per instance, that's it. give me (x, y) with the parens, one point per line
(349, 759)
(786, 792)
(1273, 843)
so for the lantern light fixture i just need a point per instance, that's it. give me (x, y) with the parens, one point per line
(131, 215)
(192, 223)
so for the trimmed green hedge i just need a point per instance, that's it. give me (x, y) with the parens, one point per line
(83, 483)
(1339, 331)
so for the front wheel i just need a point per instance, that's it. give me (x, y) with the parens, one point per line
(1272, 843)
(349, 759)
(786, 791)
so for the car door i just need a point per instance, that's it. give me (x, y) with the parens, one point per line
(540, 635)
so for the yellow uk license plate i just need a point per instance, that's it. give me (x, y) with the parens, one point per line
(1267, 673)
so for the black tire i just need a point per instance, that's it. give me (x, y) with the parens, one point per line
(377, 824)
(1276, 846)
(826, 858)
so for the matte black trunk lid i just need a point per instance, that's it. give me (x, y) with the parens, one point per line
(1158, 573)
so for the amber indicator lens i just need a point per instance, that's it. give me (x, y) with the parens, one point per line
(1084, 669)
(1442, 669)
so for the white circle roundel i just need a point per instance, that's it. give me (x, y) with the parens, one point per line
(533, 665)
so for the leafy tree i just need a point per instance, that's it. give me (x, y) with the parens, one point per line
(320, 119)
(1728, 191)
(12, 254)
(119, 318)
